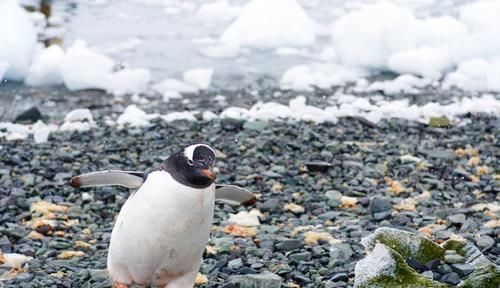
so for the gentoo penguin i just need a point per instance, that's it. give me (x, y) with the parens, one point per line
(161, 231)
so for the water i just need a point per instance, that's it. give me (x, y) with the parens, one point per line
(170, 43)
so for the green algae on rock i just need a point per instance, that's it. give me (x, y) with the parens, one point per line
(385, 265)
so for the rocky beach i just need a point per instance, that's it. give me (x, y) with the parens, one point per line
(307, 225)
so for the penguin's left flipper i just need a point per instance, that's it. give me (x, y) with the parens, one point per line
(234, 195)
(129, 179)
(228, 194)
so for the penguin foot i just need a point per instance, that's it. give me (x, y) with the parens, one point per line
(119, 285)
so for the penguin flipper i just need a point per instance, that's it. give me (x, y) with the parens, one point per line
(129, 179)
(234, 195)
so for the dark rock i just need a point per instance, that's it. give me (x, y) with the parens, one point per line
(413, 263)
(289, 244)
(29, 116)
(450, 278)
(462, 269)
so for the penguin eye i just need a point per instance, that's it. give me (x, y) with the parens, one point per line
(190, 162)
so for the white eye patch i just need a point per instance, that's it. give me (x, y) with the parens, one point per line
(189, 151)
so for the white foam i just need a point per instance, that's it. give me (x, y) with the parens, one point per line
(17, 41)
(173, 116)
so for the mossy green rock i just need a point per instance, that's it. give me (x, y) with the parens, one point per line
(385, 264)
(439, 122)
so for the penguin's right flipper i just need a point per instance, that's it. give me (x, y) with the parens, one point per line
(129, 179)
(234, 195)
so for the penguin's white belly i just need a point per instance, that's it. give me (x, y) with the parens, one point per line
(161, 232)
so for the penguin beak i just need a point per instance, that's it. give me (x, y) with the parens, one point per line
(209, 173)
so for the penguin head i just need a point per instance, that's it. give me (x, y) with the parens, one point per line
(193, 165)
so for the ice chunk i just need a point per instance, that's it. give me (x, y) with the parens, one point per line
(303, 77)
(17, 41)
(367, 37)
(475, 75)
(46, 67)
(80, 115)
(135, 117)
(425, 61)
(271, 24)
(209, 115)
(168, 85)
(405, 83)
(83, 68)
(184, 115)
(198, 77)
(220, 10)
(128, 81)
(481, 15)
(244, 218)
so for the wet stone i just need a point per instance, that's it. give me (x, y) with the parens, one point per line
(454, 258)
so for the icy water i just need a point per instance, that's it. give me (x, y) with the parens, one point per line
(167, 36)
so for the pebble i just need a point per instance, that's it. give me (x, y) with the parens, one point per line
(289, 244)
(453, 258)
(485, 242)
(264, 280)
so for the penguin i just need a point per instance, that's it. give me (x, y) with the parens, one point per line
(161, 231)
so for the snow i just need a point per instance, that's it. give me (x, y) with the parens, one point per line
(271, 24)
(46, 67)
(377, 263)
(17, 41)
(198, 77)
